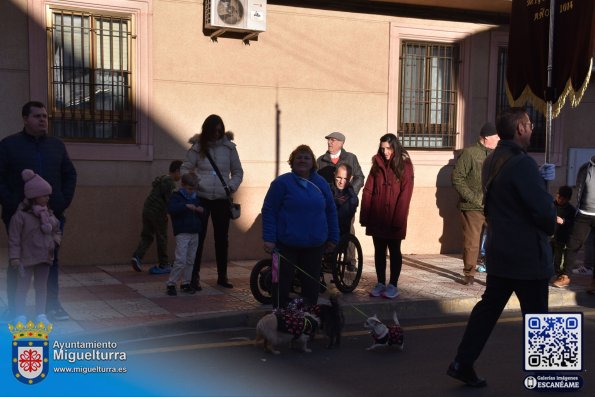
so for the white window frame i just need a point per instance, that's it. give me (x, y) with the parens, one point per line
(437, 34)
(140, 11)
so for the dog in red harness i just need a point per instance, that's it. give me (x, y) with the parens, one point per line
(383, 335)
(291, 326)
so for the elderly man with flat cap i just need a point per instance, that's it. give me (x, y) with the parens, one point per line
(466, 179)
(328, 162)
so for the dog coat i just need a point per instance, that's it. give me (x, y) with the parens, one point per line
(295, 323)
(393, 337)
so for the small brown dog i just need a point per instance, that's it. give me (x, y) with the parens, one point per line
(286, 328)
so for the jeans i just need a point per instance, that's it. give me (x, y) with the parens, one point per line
(186, 245)
(583, 226)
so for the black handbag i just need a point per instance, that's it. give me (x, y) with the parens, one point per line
(235, 209)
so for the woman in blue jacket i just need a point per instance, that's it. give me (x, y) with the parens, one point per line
(299, 219)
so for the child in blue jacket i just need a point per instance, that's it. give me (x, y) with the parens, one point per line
(184, 209)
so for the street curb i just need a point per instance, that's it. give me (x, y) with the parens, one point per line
(354, 314)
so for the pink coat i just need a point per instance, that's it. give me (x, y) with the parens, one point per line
(385, 201)
(28, 242)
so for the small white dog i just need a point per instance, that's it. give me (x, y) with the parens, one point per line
(278, 329)
(383, 335)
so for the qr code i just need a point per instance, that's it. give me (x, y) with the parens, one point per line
(553, 342)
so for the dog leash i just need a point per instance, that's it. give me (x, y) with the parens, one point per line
(277, 262)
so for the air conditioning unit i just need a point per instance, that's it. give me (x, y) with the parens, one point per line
(236, 15)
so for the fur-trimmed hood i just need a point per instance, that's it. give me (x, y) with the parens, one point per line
(196, 137)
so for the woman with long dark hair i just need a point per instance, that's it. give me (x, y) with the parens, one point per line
(213, 141)
(384, 210)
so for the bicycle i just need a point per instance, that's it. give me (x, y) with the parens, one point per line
(345, 264)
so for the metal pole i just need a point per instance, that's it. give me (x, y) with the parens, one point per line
(277, 138)
(549, 89)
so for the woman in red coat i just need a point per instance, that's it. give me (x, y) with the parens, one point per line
(384, 210)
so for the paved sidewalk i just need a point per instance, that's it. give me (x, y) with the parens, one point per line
(116, 298)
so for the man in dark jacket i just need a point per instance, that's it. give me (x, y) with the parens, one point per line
(584, 223)
(327, 163)
(466, 179)
(33, 148)
(520, 217)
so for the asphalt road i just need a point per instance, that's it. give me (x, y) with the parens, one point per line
(226, 363)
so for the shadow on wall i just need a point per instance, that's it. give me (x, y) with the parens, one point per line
(446, 200)
(105, 217)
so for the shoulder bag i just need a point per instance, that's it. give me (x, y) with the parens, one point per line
(235, 210)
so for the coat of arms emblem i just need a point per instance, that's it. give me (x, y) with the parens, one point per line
(30, 351)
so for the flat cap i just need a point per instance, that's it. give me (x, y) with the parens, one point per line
(336, 135)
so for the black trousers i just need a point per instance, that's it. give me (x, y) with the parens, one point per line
(308, 260)
(218, 211)
(396, 259)
(583, 225)
(532, 295)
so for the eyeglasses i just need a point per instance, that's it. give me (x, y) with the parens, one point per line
(530, 123)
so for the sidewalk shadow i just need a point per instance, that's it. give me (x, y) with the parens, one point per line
(450, 274)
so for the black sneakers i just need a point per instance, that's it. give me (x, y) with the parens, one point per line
(171, 290)
(187, 289)
(224, 282)
(58, 314)
(466, 375)
(136, 264)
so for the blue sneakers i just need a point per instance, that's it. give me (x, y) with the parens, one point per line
(160, 269)
(390, 292)
(378, 290)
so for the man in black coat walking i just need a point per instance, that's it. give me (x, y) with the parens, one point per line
(521, 217)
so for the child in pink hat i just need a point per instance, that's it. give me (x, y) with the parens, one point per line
(33, 234)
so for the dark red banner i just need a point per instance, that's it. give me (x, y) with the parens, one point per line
(573, 48)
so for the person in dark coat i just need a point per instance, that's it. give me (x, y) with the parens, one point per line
(345, 198)
(46, 155)
(154, 220)
(520, 216)
(299, 220)
(385, 208)
(584, 223)
(565, 213)
(335, 155)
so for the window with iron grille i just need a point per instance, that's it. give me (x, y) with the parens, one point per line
(90, 77)
(428, 95)
(538, 119)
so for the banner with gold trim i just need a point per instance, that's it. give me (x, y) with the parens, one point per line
(528, 43)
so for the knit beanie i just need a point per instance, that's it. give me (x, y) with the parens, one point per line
(35, 186)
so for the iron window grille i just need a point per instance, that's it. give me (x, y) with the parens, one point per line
(428, 97)
(90, 77)
(538, 118)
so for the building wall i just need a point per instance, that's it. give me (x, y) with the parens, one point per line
(323, 70)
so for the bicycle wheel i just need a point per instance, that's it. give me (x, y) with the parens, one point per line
(261, 281)
(348, 263)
